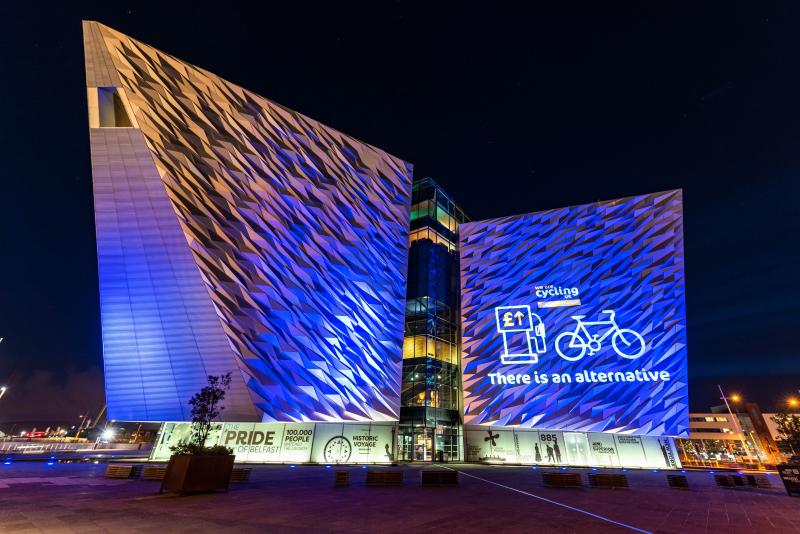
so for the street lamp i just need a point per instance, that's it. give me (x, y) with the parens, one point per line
(756, 445)
(793, 402)
(736, 398)
(3, 390)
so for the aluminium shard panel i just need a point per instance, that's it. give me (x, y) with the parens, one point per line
(574, 318)
(237, 235)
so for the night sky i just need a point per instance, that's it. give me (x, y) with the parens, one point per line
(510, 111)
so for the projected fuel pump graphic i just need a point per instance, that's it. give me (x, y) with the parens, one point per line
(518, 321)
(574, 318)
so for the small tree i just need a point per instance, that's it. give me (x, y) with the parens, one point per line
(788, 429)
(206, 407)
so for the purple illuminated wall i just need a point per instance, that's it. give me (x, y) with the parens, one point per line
(236, 235)
(574, 318)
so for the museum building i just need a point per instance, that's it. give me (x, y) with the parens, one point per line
(364, 318)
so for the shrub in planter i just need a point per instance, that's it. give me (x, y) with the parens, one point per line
(193, 466)
(193, 473)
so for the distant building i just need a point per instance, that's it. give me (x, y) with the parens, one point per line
(714, 438)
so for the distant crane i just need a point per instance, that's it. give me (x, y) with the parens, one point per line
(100, 415)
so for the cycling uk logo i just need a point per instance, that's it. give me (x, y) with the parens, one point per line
(551, 296)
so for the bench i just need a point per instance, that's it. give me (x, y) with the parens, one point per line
(729, 481)
(723, 481)
(561, 480)
(241, 474)
(341, 479)
(154, 472)
(438, 477)
(384, 478)
(678, 481)
(758, 481)
(608, 480)
(118, 471)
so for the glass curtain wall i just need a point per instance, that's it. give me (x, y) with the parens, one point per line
(430, 424)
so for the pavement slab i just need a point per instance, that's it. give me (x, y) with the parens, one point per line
(35, 497)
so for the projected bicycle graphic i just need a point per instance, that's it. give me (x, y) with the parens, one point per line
(572, 346)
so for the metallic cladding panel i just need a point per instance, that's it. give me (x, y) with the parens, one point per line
(100, 71)
(623, 255)
(300, 234)
(161, 335)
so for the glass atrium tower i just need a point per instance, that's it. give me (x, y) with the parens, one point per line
(430, 421)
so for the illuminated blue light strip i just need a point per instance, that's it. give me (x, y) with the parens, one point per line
(545, 499)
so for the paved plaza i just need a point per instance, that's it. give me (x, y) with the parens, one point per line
(35, 497)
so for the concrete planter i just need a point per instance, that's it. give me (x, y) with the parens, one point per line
(194, 473)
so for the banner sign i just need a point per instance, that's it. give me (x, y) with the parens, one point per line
(574, 320)
(790, 475)
(531, 447)
(329, 443)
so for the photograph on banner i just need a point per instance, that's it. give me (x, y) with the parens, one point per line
(630, 450)
(378, 445)
(214, 434)
(491, 446)
(362, 442)
(169, 436)
(353, 443)
(660, 452)
(577, 444)
(330, 445)
(604, 449)
(552, 448)
(172, 434)
(527, 447)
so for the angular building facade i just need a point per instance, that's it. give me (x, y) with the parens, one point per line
(235, 235)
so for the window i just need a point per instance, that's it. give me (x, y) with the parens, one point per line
(429, 347)
(109, 111)
(436, 237)
(446, 220)
(421, 209)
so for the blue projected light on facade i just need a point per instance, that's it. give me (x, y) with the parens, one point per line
(236, 235)
(574, 319)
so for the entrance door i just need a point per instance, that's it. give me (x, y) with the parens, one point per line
(423, 445)
(406, 447)
(440, 453)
